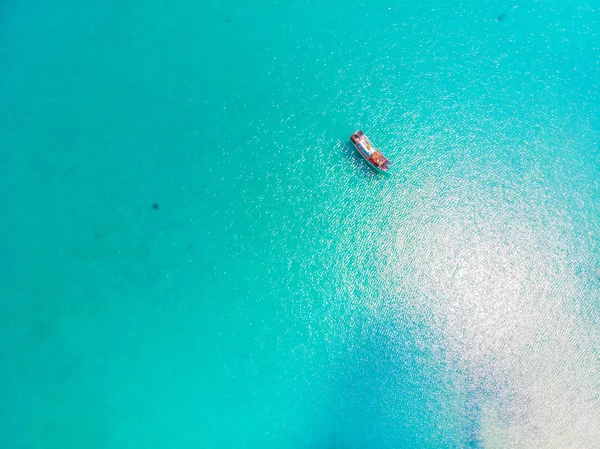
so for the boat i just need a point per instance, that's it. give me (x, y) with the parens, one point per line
(371, 154)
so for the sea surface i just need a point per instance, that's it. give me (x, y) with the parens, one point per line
(192, 255)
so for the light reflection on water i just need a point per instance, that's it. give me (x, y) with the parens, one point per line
(499, 285)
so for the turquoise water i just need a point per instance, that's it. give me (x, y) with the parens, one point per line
(280, 293)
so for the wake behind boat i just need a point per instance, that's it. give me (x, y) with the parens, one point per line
(371, 154)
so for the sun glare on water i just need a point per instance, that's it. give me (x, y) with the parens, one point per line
(504, 299)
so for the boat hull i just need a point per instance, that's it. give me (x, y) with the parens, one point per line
(366, 158)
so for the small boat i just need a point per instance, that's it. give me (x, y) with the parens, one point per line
(372, 155)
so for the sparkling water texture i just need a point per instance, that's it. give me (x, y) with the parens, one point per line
(193, 256)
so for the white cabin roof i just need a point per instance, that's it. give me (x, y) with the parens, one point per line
(366, 145)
